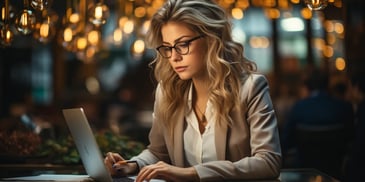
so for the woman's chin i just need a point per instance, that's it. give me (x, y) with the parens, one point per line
(184, 77)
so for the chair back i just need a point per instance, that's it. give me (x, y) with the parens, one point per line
(322, 147)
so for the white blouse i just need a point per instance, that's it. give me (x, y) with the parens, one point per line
(199, 148)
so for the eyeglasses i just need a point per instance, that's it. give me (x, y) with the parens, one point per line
(181, 48)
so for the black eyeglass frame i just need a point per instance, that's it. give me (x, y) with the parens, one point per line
(187, 42)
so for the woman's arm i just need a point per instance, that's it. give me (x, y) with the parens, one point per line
(156, 150)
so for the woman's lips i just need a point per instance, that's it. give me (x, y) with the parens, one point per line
(180, 68)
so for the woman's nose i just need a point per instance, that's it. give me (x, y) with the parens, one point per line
(175, 56)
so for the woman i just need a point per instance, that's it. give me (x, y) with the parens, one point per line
(213, 116)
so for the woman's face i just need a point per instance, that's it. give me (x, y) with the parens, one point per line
(188, 65)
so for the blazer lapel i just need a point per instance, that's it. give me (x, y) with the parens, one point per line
(178, 141)
(220, 140)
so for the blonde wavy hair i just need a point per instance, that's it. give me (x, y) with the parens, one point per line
(226, 65)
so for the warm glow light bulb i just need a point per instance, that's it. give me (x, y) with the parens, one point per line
(26, 21)
(146, 26)
(66, 39)
(6, 36)
(40, 4)
(2, 13)
(93, 37)
(67, 35)
(92, 84)
(272, 13)
(316, 4)
(44, 30)
(11, 13)
(117, 36)
(306, 13)
(122, 21)
(140, 12)
(237, 13)
(340, 64)
(339, 28)
(89, 53)
(138, 47)
(74, 18)
(98, 14)
(81, 43)
(328, 51)
(128, 27)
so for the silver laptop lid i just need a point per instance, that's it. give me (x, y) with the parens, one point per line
(86, 144)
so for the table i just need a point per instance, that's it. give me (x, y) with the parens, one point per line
(305, 175)
(286, 175)
(10, 170)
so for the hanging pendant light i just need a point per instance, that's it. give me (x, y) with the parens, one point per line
(40, 5)
(6, 34)
(26, 20)
(98, 13)
(45, 30)
(70, 23)
(316, 4)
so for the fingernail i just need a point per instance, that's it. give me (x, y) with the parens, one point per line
(117, 169)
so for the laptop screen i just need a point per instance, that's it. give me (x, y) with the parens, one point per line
(86, 144)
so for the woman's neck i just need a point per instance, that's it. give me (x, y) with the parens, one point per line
(201, 89)
(200, 99)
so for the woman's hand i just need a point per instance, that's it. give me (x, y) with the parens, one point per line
(117, 166)
(162, 170)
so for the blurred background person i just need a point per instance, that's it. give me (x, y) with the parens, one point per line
(318, 128)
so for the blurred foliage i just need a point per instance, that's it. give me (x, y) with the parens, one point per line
(16, 138)
(109, 142)
(63, 149)
(18, 142)
(60, 151)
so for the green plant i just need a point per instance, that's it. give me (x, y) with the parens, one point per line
(63, 149)
(109, 142)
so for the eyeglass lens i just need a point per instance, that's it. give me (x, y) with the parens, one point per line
(181, 48)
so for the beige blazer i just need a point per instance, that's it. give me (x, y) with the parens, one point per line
(249, 149)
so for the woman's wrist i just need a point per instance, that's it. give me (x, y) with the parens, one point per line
(193, 174)
(133, 168)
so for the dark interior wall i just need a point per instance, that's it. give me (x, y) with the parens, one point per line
(355, 35)
(15, 77)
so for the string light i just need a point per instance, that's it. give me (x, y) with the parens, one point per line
(81, 30)
(26, 20)
(6, 33)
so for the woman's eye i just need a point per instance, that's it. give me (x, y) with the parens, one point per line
(165, 49)
(183, 44)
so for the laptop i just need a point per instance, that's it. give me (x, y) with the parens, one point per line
(86, 144)
(88, 148)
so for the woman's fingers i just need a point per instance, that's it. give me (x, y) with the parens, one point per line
(110, 161)
(155, 171)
